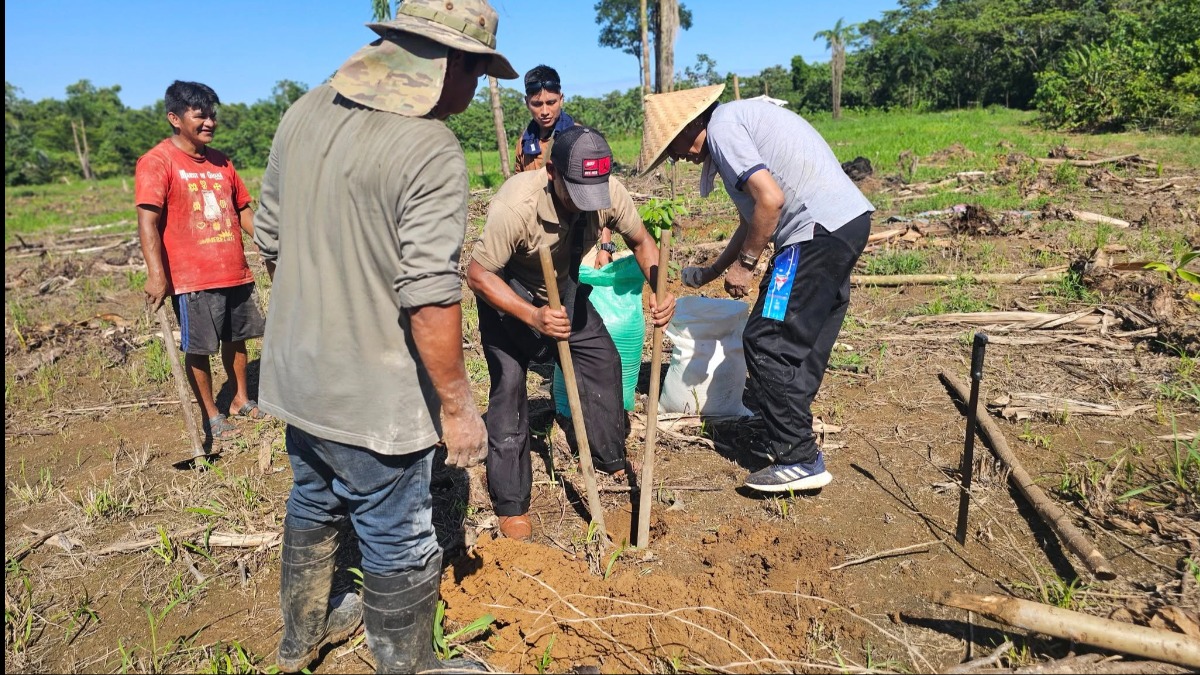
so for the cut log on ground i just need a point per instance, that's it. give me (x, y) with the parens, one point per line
(1050, 512)
(1018, 340)
(885, 235)
(1117, 636)
(1028, 320)
(1023, 405)
(1093, 162)
(1089, 217)
(1039, 277)
(213, 540)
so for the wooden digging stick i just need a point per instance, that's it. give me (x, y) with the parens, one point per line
(1050, 512)
(646, 480)
(1151, 643)
(568, 368)
(181, 388)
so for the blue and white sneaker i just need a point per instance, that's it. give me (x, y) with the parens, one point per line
(791, 477)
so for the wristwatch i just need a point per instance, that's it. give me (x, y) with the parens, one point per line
(608, 247)
(749, 261)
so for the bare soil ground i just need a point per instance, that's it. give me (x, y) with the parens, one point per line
(119, 558)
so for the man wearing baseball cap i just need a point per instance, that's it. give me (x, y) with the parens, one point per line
(789, 190)
(362, 219)
(562, 206)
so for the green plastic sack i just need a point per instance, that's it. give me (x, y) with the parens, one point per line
(617, 297)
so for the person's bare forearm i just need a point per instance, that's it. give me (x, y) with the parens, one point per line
(646, 252)
(732, 249)
(246, 218)
(437, 333)
(151, 241)
(759, 230)
(768, 205)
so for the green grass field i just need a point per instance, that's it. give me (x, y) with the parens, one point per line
(878, 136)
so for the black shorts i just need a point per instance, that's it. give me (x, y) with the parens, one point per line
(208, 318)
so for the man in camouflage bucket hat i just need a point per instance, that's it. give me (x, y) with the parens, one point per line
(361, 222)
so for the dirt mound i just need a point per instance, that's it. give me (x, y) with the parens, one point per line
(1064, 151)
(953, 153)
(739, 604)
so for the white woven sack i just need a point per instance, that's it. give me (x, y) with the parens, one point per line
(708, 367)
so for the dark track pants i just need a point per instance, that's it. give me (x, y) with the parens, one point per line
(509, 346)
(786, 360)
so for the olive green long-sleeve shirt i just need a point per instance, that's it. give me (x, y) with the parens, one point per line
(364, 213)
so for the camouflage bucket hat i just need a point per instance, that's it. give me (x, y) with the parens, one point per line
(469, 25)
(402, 74)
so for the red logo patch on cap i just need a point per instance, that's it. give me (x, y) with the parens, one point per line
(593, 168)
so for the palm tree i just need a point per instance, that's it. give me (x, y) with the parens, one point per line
(835, 41)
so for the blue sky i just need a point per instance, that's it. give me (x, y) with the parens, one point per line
(241, 48)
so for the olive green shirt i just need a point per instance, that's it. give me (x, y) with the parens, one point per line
(364, 213)
(523, 217)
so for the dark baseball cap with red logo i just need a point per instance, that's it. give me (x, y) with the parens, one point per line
(583, 159)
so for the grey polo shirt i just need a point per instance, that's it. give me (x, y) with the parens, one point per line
(364, 213)
(749, 136)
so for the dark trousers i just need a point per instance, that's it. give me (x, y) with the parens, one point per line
(509, 345)
(786, 360)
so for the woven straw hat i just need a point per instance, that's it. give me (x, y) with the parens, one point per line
(666, 115)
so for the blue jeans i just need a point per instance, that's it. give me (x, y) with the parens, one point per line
(386, 496)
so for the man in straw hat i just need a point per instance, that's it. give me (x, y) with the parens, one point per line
(562, 206)
(362, 218)
(789, 190)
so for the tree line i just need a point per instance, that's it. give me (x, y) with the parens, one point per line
(1084, 64)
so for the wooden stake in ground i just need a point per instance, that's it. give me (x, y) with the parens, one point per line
(1118, 636)
(968, 459)
(185, 399)
(1046, 508)
(498, 122)
(568, 368)
(646, 480)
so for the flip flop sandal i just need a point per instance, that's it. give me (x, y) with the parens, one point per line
(221, 428)
(250, 409)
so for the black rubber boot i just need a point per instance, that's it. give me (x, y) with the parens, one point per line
(398, 611)
(310, 620)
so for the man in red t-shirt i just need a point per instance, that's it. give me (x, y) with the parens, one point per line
(192, 208)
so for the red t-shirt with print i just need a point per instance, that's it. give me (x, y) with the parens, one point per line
(200, 200)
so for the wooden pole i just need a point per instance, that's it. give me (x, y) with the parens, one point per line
(1050, 512)
(498, 122)
(568, 368)
(1117, 636)
(646, 480)
(181, 388)
(645, 51)
(737, 91)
